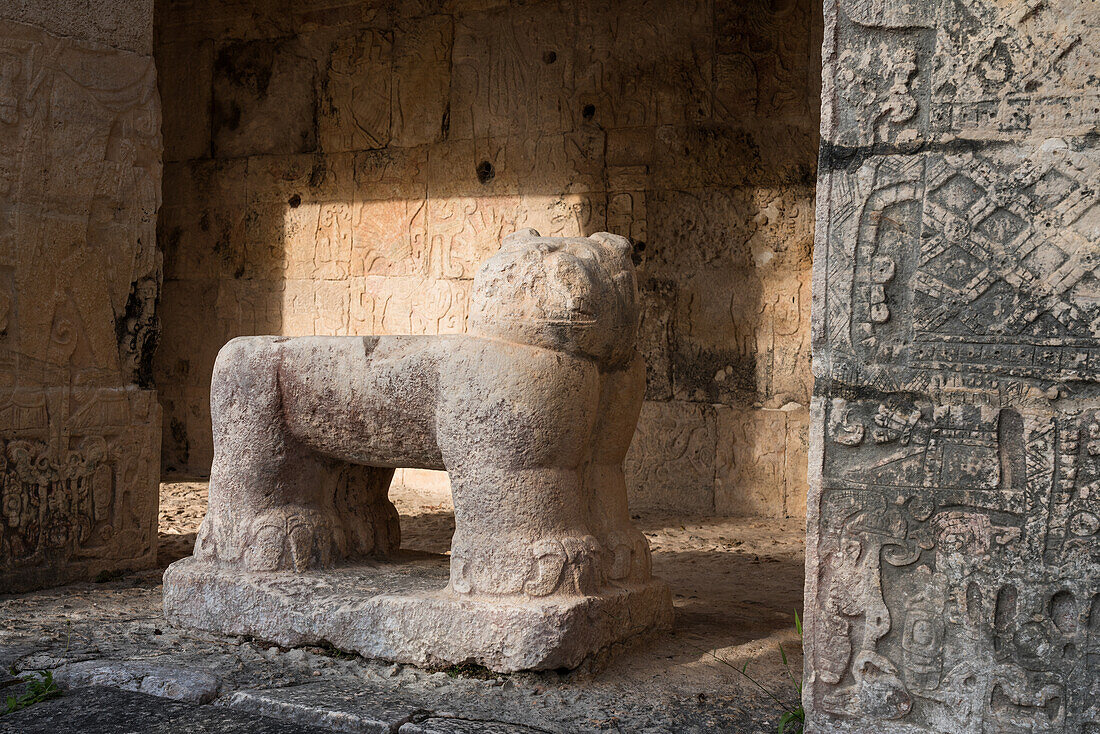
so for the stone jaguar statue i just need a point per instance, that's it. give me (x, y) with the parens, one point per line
(531, 414)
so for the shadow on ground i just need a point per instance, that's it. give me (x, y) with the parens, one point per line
(736, 583)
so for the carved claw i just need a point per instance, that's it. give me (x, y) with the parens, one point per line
(550, 558)
(568, 565)
(621, 557)
(288, 539)
(265, 551)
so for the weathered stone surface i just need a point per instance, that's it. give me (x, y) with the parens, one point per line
(531, 415)
(952, 557)
(96, 710)
(79, 280)
(652, 686)
(683, 436)
(367, 709)
(125, 26)
(397, 611)
(364, 159)
(165, 681)
(443, 725)
(381, 709)
(756, 472)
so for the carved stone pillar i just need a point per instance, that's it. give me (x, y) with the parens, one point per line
(952, 559)
(80, 151)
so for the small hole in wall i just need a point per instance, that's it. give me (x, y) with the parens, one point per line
(549, 57)
(485, 172)
(589, 111)
(295, 201)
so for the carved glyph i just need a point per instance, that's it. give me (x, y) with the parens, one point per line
(952, 560)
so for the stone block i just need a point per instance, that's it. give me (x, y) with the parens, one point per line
(762, 68)
(356, 96)
(165, 681)
(421, 80)
(513, 73)
(396, 610)
(444, 725)
(185, 78)
(750, 464)
(718, 337)
(265, 98)
(656, 74)
(365, 707)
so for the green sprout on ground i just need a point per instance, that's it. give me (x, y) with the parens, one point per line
(38, 690)
(470, 669)
(793, 717)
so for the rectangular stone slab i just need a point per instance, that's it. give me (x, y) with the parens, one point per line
(399, 610)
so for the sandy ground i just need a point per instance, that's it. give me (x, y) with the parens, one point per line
(736, 584)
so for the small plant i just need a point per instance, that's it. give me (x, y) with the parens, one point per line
(793, 717)
(470, 669)
(38, 690)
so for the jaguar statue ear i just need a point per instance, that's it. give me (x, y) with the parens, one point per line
(515, 240)
(617, 243)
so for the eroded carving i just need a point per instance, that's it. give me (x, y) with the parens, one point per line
(531, 414)
(953, 564)
(79, 278)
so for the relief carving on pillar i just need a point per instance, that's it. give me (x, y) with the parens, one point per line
(79, 177)
(79, 281)
(954, 562)
(75, 473)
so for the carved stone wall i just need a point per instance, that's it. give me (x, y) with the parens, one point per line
(953, 578)
(80, 159)
(343, 168)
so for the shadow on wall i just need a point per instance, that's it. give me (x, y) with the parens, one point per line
(337, 168)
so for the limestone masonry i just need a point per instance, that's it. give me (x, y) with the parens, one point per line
(343, 168)
(953, 562)
(80, 168)
(531, 414)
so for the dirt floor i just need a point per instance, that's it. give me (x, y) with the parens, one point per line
(736, 584)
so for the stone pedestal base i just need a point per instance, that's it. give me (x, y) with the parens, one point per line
(398, 610)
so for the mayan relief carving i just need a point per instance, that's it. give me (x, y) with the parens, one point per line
(79, 279)
(102, 192)
(531, 414)
(952, 558)
(360, 165)
(79, 472)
